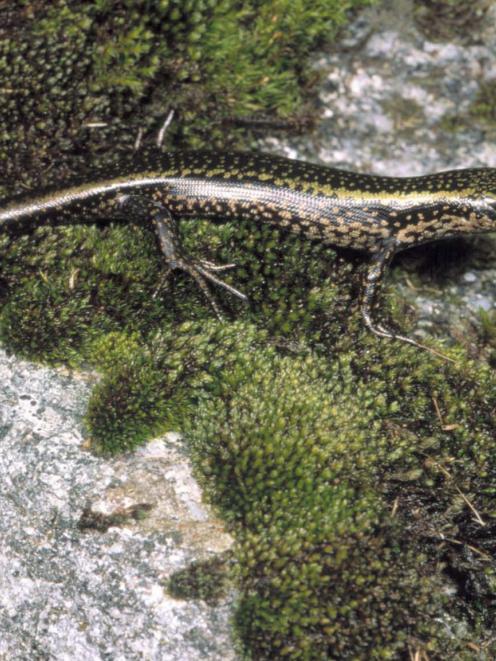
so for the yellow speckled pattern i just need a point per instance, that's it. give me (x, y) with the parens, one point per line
(338, 207)
(381, 215)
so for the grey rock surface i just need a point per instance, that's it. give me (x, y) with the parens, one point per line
(68, 594)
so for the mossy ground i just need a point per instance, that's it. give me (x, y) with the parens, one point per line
(451, 19)
(482, 111)
(358, 475)
(207, 580)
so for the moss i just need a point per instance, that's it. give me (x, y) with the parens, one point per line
(293, 449)
(91, 281)
(359, 596)
(91, 520)
(207, 580)
(406, 114)
(451, 19)
(452, 123)
(83, 78)
(487, 335)
(63, 286)
(153, 388)
(488, 326)
(483, 108)
(482, 111)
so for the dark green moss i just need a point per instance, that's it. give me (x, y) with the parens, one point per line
(481, 111)
(451, 19)
(68, 286)
(294, 450)
(305, 456)
(356, 596)
(111, 276)
(80, 78)
(101, 522)
(488, 326)
(148, 389)
(208, 580)
(484, 107)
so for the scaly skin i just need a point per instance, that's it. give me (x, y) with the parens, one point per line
(379, 215)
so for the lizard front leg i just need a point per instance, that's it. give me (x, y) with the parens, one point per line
(143, 208)
(199, 270)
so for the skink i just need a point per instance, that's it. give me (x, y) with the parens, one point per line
(376, 214)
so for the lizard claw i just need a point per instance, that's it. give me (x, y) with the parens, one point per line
(163, 280)
(200, 274)
(212, 266)
(200, 271)
(206, 272)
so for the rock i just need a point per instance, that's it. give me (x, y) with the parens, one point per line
(86, 594)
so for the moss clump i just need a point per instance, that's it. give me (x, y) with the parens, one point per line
(81, 78)
(101, 522)
(488, 326)
(448, 19)
(207, 580)
(406, 114)
(66, 287)
(153, 388)
(61, 288)
(293, 449)
(353, 596)
(482, 111)
(483, 108)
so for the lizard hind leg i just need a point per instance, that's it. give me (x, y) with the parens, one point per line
(371, 290)
(372, 287)
(202, 271)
